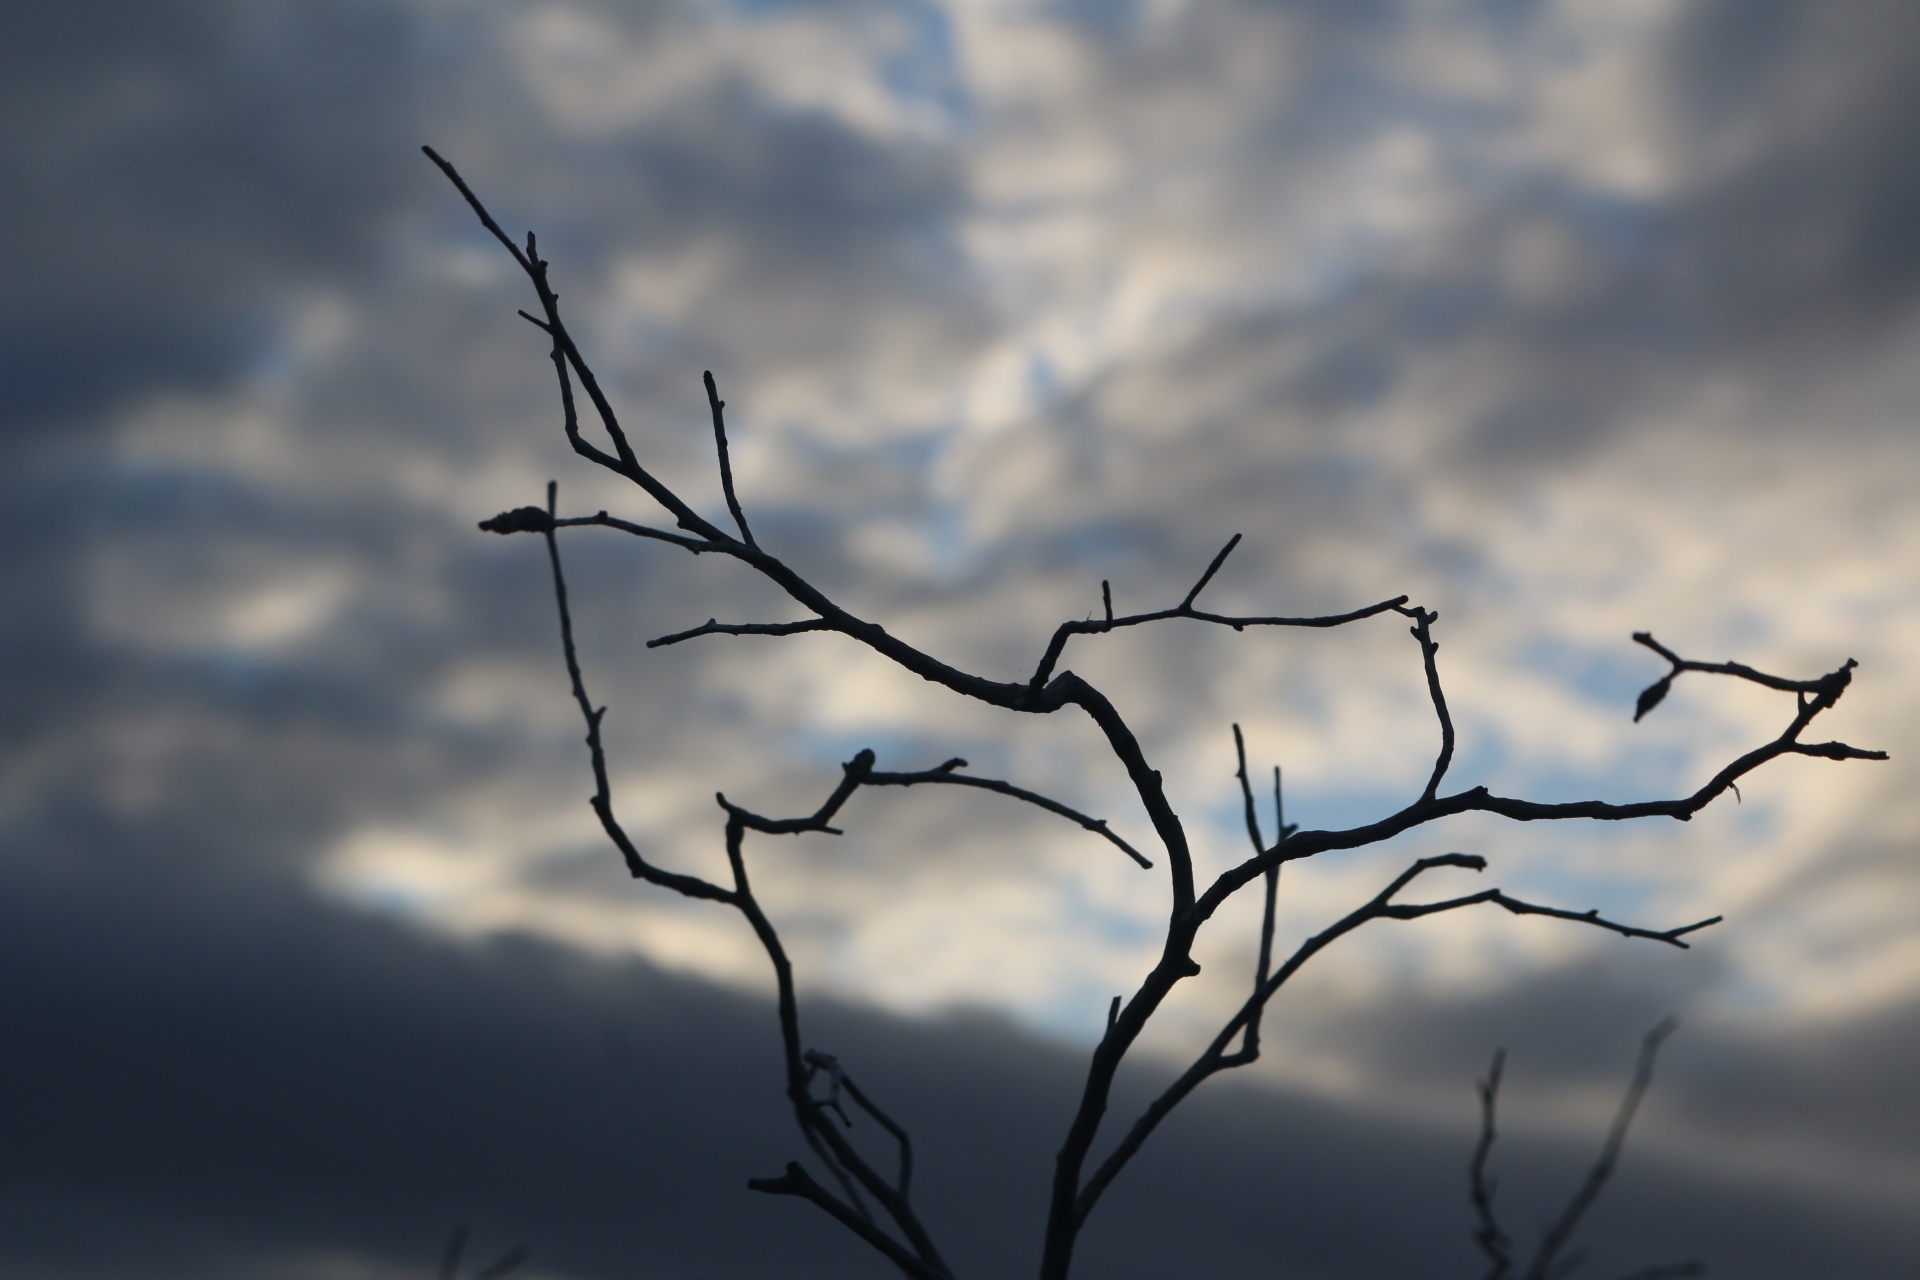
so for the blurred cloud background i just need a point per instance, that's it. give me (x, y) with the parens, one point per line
(1566, 319)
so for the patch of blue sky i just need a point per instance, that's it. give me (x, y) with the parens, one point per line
(1073, 1012)
(1654, 771)
(1622, 227)
(1108, 19)
(925, 70)
(388, 897)
(1609, 675)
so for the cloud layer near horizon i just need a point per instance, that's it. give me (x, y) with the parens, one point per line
(1568, 321)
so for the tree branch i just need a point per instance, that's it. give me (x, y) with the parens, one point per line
(1045, 692)
(796, 1181)
(1562, 1229)
(716, 404)
(1381, 907)
(1492, 1240)
(945, 775)
(602, 799)
(713, 628)
(1422, 631)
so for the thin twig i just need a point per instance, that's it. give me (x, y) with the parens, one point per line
(1043, 671)
(796, 1181)
(1493, 1242)
(1422, 630)
(1215, 1057)
(716, 404)
(713, 628)
(1562, 1230)
(602, 799)
(945, 775)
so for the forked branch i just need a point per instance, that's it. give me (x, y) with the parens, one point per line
(1551, 1258)
(1044, 691)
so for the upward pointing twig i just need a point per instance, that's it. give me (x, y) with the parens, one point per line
(1492, 1240)
(716, 404)
(1555, 1241)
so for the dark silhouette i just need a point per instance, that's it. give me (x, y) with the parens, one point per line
(875, 1203)
(1548, 1260)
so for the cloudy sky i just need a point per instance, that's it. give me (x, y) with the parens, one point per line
(1567, 320)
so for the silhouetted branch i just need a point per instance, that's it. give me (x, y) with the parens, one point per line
(1563, 1227)
(839, 1079)
(1548, 1262)
(602, 800)
(717, 405)
(450, 1256)
(1249, 1050)
(797, 1182)
(1422, 631)
(1215, 1057)
(712, 628)
(508, 1262)
(1044, 692)
(1487, 1234)
(945, 775)
(1087, 627)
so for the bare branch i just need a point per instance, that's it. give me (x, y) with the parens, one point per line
(450, 1257)
(604, 520)
(1562, 1230)
(1250, 1042)
(712, 628)
(1045, 692)
(1739, 669)
(716, 404)
(508, 1263)
(1085, 627)
(1212, 569)
(1306, 844)
(796, 1181)
(566, 354)
(841, 1080)
(602, 800)
(1422, 631)
(1670, 936)
(945, 775)
(1215, 1057)
(1492, 1240)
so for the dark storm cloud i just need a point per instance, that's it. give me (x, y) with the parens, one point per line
(168, 169)
(247, 1083)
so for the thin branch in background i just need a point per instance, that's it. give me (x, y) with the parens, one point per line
(1493, 1242)
(1552, 1259)
(450, 1256)
(506, 1265)
(1554, 1242)
(712, 628)
(1263, 962)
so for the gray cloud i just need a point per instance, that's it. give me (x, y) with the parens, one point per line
(261, 375)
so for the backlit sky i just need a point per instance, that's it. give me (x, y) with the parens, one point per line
(1567, 320)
